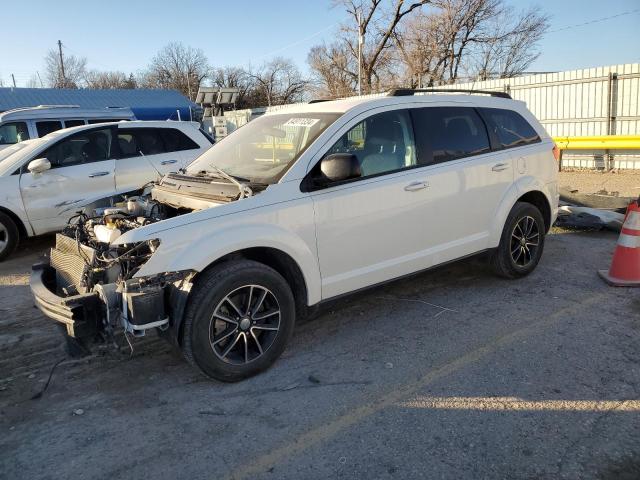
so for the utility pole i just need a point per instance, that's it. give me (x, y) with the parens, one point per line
(63, 83)
(14, 80)
(41, 84)
(360, 42)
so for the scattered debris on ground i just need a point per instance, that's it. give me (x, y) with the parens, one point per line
(585, 218)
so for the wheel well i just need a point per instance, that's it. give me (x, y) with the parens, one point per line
(281, 263)
(539, 200)
(21, 228)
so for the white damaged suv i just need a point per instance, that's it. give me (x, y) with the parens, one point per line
(302, 205)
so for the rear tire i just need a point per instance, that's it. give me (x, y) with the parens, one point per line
(521, 242)
(9, 236)
(238, 321)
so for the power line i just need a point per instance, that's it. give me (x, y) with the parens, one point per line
(298, 42)
(597, 20)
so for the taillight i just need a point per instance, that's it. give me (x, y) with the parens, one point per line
(556, 152)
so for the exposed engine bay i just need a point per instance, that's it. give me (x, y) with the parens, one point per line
(85, 264)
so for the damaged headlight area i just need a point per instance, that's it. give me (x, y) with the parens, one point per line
(89, 281)
(89, 284)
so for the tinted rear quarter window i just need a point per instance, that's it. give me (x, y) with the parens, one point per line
(446, 133)
(510, 128)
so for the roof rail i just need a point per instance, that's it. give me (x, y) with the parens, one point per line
(57, 106)
(405, 92)
(320, 100)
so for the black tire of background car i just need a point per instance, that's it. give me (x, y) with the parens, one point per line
(501, 260)
(13, 235)
(210, 288)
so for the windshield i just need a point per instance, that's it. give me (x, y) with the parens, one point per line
(264, 149)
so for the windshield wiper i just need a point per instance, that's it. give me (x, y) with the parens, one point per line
(245, 191)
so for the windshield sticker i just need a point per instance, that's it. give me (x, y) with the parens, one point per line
(301, 122)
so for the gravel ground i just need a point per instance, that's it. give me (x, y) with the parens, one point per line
(624, 183)
(449, 374)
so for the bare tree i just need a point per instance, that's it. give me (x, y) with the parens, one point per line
(513, 47)
(335, 70)
(110, 80)
(375, 21)
(235, 77)
(278, 81)
(33, 82)
(474, 37)
(75, 70)
(177, 67)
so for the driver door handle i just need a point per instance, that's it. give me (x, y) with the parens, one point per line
(415, 186)
(168, 162)
(98, 174)
(498, 167)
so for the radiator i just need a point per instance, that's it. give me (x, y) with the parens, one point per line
(71, 261)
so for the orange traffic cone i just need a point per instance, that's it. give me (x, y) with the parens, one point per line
(625, 266)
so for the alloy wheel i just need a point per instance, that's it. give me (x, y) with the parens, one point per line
(525, 240)
(244, 324)
(4, 237)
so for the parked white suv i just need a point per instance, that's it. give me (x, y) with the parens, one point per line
(44, 182)
(28, 123)
(298, 207)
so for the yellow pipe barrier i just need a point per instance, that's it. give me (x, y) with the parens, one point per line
(604, 142)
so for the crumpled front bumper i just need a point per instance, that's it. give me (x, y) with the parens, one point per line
(81, 314)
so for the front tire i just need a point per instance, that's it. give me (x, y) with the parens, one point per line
(521, 243)
(9, 236)
(239, 320)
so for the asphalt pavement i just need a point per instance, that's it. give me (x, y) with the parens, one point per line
(452, 373)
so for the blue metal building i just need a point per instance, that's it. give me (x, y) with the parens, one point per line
(146, 104)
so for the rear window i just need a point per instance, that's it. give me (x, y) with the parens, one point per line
(48, 126)
(140, 141)
(446, 133)
(175, 140)
(152, 141)
(510, 128)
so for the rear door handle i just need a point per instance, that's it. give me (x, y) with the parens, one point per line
(98, 174)
(498, 167)
(168, 162)
(415, 186)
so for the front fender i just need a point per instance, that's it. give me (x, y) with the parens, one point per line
(522, 186)
(11, 200)
(201, 249)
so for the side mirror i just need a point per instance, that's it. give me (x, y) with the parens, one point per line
(337, 168)
(39, 165)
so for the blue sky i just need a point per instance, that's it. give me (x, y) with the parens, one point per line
(124, 35)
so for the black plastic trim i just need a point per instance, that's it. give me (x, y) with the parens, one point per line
(80, 314)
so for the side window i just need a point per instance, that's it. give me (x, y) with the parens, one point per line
(48, 126)
(447, 133)
(382, 143)
(510, 128)
(73, 123)
(14, 132)
(140, 141)
(175, 140)
(83, 147)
